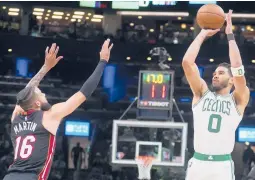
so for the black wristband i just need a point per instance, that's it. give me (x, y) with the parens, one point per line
(231, 37)
(90, 85)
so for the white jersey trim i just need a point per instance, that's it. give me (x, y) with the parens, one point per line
(238, 112)
(202, 97)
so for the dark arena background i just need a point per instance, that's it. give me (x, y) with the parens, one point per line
(143, 83)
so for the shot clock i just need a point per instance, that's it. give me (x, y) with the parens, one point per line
(155, 90)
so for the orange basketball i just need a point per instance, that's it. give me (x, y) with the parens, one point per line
(210, 16)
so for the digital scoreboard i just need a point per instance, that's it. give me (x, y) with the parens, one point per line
(77, 128)
(154, 5)
(155, 90)
(246, 134)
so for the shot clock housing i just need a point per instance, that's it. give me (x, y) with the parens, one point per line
(155, 93)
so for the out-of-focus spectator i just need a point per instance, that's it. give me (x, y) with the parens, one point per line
(58, 168)
(5, 162)
(98, 161)
(32, 22)
(248, 158)
(77, 152)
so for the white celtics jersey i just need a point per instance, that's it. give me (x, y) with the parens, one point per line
(216, 119)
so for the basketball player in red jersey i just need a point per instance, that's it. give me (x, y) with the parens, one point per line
(33, 132)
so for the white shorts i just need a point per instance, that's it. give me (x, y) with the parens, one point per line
(210, 170)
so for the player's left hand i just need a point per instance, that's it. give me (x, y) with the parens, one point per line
(228, 29)
(106, 50)
(209, 32)
(51, 58)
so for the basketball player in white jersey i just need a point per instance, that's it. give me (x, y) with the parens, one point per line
(216, 112)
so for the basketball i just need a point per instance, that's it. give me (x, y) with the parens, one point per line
(210, 16)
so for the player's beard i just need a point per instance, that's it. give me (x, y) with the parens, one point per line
(45, 106)
(221, 86)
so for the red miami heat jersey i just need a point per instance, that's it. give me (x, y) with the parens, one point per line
(33, 145)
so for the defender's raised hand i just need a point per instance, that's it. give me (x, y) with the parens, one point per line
(50, 61)
(106, 50)
(228, 29)
(51, 58)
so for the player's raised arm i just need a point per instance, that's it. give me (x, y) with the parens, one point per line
(51, 60)
(241, 92)
(197, 84)
(60, 110)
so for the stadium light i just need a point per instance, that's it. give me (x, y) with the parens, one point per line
(248, 27)
(38, 13)
(79, 12)
(39, 9)
(13, 13)
(56, 17)
(183, 26)
(96, 20)
(77, 17)
(58, 13)
(98, 16)
(243, 15)
(14, 9)
(148, 13)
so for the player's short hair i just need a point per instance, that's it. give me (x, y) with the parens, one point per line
(26, 97)
(226, 65)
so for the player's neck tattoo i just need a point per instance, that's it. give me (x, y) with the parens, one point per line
(35, 81)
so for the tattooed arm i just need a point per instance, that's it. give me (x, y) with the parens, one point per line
(35, 81)
(51, 60)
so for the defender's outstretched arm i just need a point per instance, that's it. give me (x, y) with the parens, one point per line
(53, 117)
(51, 60)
